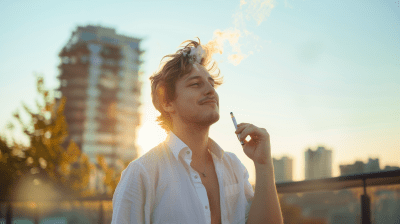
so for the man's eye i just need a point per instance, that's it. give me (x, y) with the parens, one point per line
(195, 84)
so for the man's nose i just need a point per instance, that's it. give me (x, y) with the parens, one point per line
(210, 89)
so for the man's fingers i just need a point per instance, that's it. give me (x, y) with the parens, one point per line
(251, 130)
(241, 124)
(240, 127)
(246, 131)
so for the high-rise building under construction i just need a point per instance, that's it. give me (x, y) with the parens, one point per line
(99, 76)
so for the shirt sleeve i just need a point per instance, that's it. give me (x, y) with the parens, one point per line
(130, 200)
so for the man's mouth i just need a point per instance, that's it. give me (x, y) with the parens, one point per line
(210, 102)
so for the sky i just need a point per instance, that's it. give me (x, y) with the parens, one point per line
(313, 72)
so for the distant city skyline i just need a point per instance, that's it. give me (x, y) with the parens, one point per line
(318, 166)
(313, 73)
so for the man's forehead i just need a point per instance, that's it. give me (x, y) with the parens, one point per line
(198, 70)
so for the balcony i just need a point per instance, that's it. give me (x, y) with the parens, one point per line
(369, 190)
(80, 48)
(111, 51)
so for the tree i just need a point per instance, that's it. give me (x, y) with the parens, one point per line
(111, 174)
(12, 167)
(68, 169)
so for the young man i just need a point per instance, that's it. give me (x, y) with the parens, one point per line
(188, 178)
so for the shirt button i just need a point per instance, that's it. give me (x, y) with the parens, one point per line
(206, 207)
(187, 152)
(195, 176)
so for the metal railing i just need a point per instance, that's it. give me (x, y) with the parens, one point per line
(344, 182)
(326, 184)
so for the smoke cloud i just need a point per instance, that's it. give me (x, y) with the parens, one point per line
(257, 10)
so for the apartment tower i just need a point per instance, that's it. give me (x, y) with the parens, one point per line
(283, 169)
(99, 76)
(318, 164)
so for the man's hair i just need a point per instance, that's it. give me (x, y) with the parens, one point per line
(172, 68)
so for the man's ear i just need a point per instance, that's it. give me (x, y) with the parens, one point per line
(167, 106)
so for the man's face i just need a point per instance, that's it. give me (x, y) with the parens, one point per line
(196, 99)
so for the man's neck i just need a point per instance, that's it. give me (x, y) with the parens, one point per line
(196, 138)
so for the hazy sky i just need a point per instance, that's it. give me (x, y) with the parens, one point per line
(315, 73)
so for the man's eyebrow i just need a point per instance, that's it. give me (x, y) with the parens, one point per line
(197, 77)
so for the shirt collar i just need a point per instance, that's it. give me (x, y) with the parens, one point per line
(176, 145)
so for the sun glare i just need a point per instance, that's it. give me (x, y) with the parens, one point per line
(150, 134)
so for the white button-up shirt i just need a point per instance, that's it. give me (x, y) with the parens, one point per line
(162, 187)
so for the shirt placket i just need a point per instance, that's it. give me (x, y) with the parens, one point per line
(199, 187)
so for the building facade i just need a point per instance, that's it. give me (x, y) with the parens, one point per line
(99, 76)
(318, 164)
(359, 167)
(283, 169)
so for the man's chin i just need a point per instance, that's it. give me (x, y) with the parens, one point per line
(211, 119)
(208, 120)
(216, 119)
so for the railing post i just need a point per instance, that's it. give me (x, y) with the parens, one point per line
(365, 206)
(9, 213)
(101, 213)
(36, 214)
